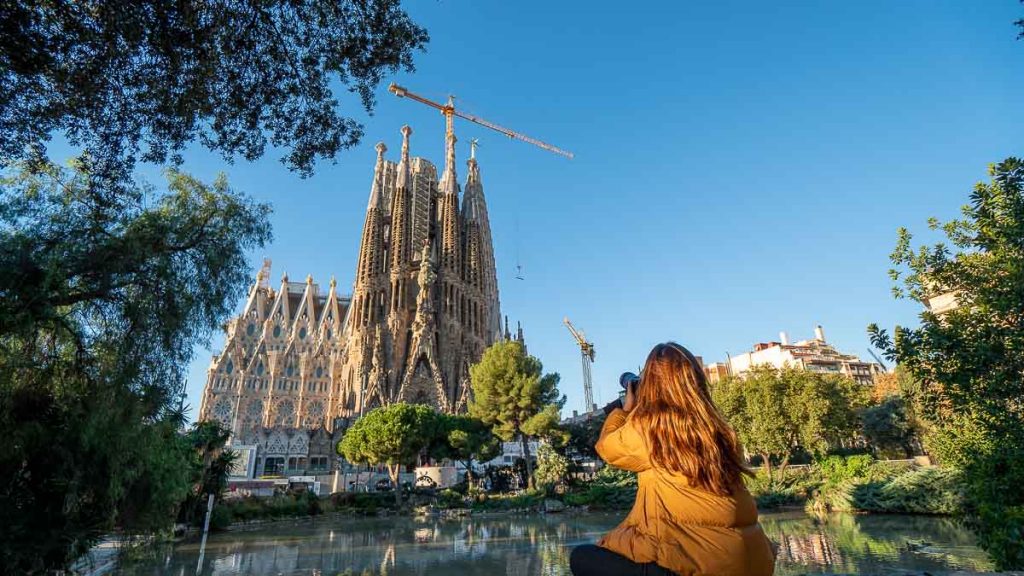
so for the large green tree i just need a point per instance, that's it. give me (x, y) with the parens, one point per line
(143, 80)
(775, 410)
(969, 358)
(102, 300)
(394, 435)
(513, 396)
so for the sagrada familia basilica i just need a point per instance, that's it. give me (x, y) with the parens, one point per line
(423, 308)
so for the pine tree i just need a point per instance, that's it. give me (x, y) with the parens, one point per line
(513, 396)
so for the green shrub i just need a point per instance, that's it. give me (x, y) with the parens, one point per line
(790, 488)
(450, 499)
(838, 469)
(921, 491)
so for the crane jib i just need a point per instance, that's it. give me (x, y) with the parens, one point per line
(449, 109)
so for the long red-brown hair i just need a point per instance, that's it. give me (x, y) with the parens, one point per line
(686, 432)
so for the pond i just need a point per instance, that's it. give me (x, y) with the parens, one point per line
(528, 545)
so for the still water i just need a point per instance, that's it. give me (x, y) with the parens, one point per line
(527, 545)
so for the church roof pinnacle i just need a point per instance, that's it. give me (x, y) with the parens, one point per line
(377, 192)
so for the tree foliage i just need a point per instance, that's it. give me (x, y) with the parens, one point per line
(887, 428)
(969, 360)
(582, 438)
(513, 396)
(552, 467)
(211, 467)
(394, 435)
(102, 299)
(469, 439)
(142, 80)
(776, 410)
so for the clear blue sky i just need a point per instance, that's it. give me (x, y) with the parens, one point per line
(741, 167)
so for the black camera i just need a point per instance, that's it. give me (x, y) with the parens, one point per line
(625, 380)
(628, 378)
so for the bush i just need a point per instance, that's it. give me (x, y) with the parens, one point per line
(611, 489)
(524, 500)
(858, 484)
(922, 491)
(792, 487)
(450, 499)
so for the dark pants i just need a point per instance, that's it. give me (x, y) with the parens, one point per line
(590, 560)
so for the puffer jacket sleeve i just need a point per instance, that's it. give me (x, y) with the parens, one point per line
(621, 444)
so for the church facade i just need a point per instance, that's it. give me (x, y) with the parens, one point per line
(423, 307)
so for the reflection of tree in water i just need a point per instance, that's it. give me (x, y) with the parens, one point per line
(507, 545)
(866, 544)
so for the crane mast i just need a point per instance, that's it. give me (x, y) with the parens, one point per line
(587, 358)
(449, 111)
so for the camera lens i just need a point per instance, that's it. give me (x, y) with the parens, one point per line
(628, 378)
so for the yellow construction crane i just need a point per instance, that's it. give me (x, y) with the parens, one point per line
(449, 112)
(587, 353)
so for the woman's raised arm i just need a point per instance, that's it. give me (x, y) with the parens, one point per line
(621, 444)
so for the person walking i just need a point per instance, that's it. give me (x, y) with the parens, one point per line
(692, 516)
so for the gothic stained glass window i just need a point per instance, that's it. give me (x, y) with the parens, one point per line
(302, 333)
(285, 415)
(314, 414)
(250, 329)
(222, 412)
(254, 412)
(277, 331)
(230, 367)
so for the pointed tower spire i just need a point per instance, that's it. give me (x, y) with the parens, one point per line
(401, 229)
(371, 249)
(377, 190)
(448, 204)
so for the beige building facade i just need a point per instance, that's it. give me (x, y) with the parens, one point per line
(814, 355)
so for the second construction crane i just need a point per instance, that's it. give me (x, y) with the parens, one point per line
(587, 354)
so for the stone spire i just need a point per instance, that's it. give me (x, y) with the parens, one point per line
(479, 268)
(448, 206)
(371, 250)
(401, 230)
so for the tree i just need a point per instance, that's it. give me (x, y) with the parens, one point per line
(774, 411)
(470, 439)
(394, 436)
(211, 467)
(967, 359)
(887, 427)
(551, 467)
(143, 80)
(102, 300)
(513, 396)
(581, 440)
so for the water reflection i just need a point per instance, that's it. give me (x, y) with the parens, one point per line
(510, 545)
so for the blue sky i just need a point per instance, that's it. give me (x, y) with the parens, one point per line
(741, 167)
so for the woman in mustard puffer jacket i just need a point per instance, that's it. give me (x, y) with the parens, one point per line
(692, 516)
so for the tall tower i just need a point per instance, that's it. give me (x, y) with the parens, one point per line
(425, 298)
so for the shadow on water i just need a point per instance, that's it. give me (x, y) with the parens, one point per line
(513, 545)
